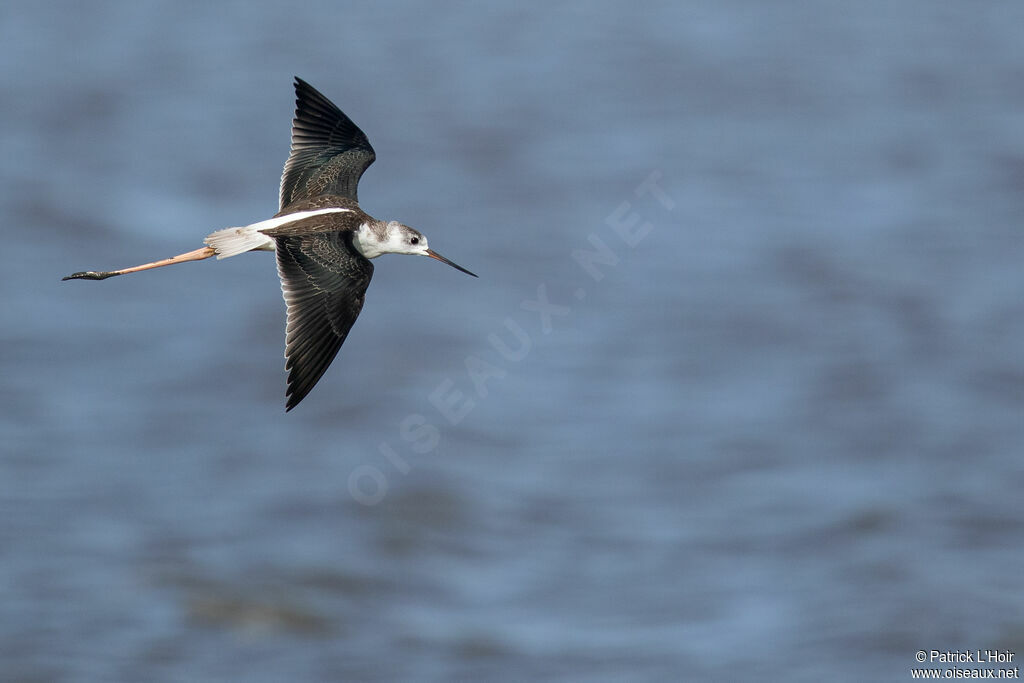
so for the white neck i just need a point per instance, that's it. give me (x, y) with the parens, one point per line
(372, 240)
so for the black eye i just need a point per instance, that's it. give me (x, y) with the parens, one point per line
(414, 240)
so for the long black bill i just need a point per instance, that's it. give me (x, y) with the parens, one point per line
(433, 254)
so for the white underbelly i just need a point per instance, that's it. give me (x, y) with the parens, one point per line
(233, 241)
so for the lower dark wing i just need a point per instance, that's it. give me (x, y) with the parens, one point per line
(324, 281)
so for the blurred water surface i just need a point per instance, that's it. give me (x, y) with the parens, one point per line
(778, 438)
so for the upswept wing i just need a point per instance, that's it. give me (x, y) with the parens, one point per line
(328, 154)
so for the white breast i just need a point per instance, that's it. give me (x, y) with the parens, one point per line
(367, 242)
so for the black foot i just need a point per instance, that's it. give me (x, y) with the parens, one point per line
(91, 275)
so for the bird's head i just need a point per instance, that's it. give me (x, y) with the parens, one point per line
(401, 239)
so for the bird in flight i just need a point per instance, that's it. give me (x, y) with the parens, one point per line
(322, 239)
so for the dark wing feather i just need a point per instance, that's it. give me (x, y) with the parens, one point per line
(329, 153)
(324, 281)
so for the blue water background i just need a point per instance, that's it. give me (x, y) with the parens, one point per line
(774, 433)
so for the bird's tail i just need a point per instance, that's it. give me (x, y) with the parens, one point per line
(233, 241)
